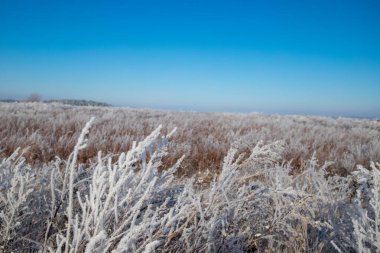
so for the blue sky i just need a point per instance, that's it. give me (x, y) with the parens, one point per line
(309, 57)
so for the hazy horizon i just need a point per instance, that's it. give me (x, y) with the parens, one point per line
(311, 58)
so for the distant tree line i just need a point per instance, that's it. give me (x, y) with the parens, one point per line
(77, 102)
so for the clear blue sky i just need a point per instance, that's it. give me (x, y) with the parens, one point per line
(313, 57)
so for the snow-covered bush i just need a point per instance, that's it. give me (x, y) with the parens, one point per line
(16, 186)
(367, 221)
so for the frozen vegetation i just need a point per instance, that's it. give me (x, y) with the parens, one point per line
(219, 183)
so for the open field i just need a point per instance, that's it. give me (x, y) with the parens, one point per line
(51, 130)
(222, 182)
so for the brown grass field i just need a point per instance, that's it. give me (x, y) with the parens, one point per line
(50, 130)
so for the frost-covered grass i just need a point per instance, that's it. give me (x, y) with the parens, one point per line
(51, 130)
(135, 202)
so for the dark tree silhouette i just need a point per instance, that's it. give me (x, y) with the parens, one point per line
(33, 98)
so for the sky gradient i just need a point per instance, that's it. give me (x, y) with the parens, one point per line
(294, 57)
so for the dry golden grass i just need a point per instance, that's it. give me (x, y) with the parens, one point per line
(51, 130)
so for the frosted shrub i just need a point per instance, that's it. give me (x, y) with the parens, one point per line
(367, 222)
(107, 207)
(118, 203)
(16, 186)
(251, 206)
